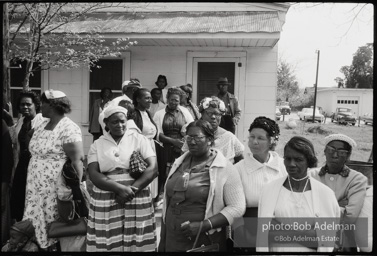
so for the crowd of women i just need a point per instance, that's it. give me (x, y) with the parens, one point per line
(198, 171)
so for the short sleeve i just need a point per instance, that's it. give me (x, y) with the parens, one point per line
(146, 149)
(92, 154)
(71, 133)
(158, 117)
(37, 120)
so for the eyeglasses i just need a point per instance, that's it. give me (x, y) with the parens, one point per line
(196, 138)
(211, 113)
(340, 152)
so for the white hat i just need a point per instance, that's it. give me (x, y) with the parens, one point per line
(131, 83)
(340, 137)
(53, 94)
(114, 109)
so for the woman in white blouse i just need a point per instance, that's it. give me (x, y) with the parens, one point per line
(142, 100)
(121, 215)
(262, 165)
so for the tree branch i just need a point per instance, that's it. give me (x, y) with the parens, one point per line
(17, 30)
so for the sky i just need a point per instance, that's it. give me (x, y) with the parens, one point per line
(329, 28)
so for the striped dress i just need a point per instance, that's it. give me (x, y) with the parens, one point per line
(113, 227)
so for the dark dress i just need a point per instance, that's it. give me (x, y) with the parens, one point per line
(187, 193)
(172, 124)
(20, 175)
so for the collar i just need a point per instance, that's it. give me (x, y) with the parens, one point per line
(220, 160)
(344, 172)
(130, 130)
(168, 110)
(272, 163)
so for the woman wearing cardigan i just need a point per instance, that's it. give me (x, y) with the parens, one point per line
(203, 189)
(297, 196)
(349, 185)
(261, 166)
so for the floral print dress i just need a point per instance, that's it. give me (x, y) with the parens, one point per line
(47, 159)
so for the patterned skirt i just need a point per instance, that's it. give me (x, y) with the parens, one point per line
(123, 228)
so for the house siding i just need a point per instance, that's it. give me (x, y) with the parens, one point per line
(148, 62)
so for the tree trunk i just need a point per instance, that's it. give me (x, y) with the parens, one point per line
(31, 52)
(6, 73)
(25, 82)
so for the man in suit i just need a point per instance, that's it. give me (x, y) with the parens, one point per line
(233, 111)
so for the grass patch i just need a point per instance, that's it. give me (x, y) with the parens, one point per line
(319, 129)
(316, 133)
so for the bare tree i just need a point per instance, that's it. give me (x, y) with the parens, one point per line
(37, 33)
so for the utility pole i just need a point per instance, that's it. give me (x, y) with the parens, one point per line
(315, 86)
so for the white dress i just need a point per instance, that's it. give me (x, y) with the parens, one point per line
(47, 160)
(149, 131)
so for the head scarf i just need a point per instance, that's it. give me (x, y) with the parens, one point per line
(112, 110)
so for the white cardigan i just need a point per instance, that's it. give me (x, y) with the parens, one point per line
(226, 194)
(325, 205)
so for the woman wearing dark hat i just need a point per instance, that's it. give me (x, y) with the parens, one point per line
(55, 139)
(290, 198)
(232, 114)
(349, 185)
(262, 165)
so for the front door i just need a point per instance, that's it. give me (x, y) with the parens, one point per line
(208, 75)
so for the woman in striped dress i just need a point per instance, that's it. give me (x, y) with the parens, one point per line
(121, 216)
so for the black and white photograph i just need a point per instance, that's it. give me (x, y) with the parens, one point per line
(167, 127)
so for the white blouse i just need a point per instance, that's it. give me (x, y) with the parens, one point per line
(255, 175)
(110, 155)
(149, 129)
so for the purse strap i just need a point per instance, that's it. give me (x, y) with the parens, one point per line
(197, 236)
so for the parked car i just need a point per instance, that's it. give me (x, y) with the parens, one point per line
(285, 109)
(367, 118)
(277, 114)
(306, 114)
(343, 116)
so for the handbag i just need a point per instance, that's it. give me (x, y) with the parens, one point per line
(137, 165)
(204, 248)
(73, 244)
(77, 227)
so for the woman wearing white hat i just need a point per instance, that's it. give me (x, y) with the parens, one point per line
(121, 215)
(349, 185)
(55, 139)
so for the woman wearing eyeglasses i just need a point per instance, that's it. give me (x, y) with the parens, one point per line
(212, 109)
(349, 185)
(202, 187)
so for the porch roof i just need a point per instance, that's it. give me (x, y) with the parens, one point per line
(225, 29)
(177, 23)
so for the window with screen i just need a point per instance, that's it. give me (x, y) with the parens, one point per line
(109, 75)
(17, 76)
